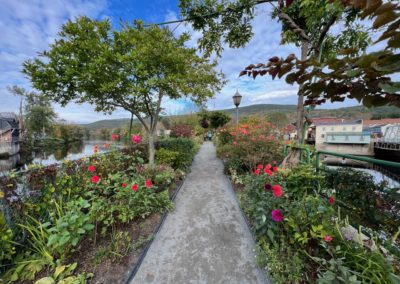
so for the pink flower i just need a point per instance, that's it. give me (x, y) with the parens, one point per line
(114, 137)
(107, 145)
(260, 166)
(277, 190)
(328, 238)
(148, 183)
(91, 168)
(257, 171)
(123, 185)
(268, 171)
(277, 215)
(95, 179)
(275, 169)
(135, 187)
(234, 143)
(136, 139)
(331, 200)
(268, 167)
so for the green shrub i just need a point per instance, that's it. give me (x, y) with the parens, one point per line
(7, 248)
(167, 157)
(376, 205)
(184, 146)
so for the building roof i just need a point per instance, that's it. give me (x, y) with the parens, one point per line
(290, 128)
(8, 121)
(384, 121)
(332, 121)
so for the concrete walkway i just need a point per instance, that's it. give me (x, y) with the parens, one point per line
(205, 239)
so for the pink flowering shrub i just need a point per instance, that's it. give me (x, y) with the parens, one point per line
(251, 143)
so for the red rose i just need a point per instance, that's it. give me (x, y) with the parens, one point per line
(95, 179)
(135, 187)
(148, 183)
(331, 200)
(277, 190)
(123, 185)
(91, 168)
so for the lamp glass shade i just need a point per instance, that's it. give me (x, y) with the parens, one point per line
(236, 99)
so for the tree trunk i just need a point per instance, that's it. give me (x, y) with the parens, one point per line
(300, 100)
(152, 150)
(293, 158)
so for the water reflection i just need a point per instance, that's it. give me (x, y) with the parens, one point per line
(48, 156)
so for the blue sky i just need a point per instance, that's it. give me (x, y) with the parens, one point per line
(29, 26)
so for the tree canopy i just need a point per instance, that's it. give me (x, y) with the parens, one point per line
(38, 112)
(133, 68)
(367, 77)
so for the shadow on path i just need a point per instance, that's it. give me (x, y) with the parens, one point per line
(205, 239)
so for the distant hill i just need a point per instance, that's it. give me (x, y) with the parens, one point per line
(356, 112)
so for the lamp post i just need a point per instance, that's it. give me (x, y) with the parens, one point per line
(236, 100)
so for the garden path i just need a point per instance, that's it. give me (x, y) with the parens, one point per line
(205, 239)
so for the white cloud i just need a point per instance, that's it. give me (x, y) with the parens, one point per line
(28, 26)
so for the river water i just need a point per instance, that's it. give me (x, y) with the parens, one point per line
(46, 157)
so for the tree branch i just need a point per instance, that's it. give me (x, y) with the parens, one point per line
(324, 32)
(295, 28)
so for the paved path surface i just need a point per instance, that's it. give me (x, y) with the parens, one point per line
(205, 239)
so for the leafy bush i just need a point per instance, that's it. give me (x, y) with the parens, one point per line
(184, 146)
(376, 205)
(78, 199)
(7, 248)
(300, 235)
(181, 130)
(166, 157)
(251, 143)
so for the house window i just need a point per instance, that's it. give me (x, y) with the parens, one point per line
(346, 138)
(322, 135)
(323, 128)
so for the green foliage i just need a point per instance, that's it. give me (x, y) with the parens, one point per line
(284, 265)
(167, 157)
(312, 243)
(220, 21)
(251, 144)
(70, 226)
(218, 119)
(184, 146)
(65, 209)
(134, 67)
(279, 119)
(365, 77)
(38, 112)
(376, 205)
(7, 247)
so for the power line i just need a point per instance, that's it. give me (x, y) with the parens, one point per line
(209, 15)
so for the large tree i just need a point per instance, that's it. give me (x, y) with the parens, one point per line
(39, 114)
(133, 68)
(369, 78)
(306, 23)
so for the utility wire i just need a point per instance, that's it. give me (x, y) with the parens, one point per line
(209, 15)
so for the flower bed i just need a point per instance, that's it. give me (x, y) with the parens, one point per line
(327, 227)
(304, 237)
(86, 219)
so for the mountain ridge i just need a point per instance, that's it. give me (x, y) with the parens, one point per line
(353, 112)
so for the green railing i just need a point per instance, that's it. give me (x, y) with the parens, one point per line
(353, 157)
(302, 149)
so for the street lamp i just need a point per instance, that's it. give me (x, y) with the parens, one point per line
(236, 100)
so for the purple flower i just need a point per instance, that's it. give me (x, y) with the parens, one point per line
(277, 215)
